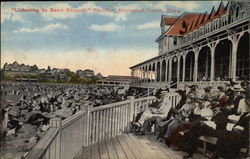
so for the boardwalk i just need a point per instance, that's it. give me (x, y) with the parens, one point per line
(129, 146)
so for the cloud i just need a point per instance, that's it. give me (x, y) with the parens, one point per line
(95, 9)
(150, 25)
(188, 5)
(105, 28)
(122, 16)
(47, 28)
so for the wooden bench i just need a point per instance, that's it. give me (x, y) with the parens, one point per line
(207, 139)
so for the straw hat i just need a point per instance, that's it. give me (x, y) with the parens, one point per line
(238, 88)
(206, 113)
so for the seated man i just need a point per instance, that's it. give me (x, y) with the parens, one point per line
(169, 126)
(153, 113)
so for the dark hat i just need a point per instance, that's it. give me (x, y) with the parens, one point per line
(193, 86)
(221, 88)
(244, 84)
(207, 89)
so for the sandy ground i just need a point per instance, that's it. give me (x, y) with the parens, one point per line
(16, 147)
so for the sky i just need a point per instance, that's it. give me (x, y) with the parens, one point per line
(107, 37)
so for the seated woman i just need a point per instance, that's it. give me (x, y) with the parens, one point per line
(152, 113)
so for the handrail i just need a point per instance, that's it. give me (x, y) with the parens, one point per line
(64, 140)
(76, 116)
(172, 84)
(109, 105)
(144, 98)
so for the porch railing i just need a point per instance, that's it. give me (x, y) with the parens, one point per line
(64, 140)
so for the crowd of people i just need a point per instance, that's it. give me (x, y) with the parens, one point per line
(28, 107)
(221, 112)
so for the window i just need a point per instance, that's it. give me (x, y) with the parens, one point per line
(237, 12)
(175, 41)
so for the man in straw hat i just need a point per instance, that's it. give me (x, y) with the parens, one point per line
(153, 113)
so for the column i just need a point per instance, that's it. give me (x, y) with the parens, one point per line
(184, 67)
(212, 62)
(230, 63)
(212, 48)
(140, 74)
(135, 79)
(170, 70)
(178, 69)
(166, 73)
(160, 70)
(132, 74)
(150, 72)
(235, 41)
(137, 72)
(155, 73)
(234, 60)
(143, 74)
(196, 55)
(206, 69)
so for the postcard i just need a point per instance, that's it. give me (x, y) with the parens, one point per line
(84, 79)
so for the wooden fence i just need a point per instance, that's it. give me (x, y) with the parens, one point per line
(65, 139)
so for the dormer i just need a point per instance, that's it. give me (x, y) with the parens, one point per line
(166, 22)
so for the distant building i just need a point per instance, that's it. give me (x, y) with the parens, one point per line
(99, 76)
(56, 74)
(114, 80)
(15, 67)
(85, 73)
(42, 71)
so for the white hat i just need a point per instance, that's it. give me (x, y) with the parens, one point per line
(238, 88)
(206, 112)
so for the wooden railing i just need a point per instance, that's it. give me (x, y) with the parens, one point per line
(65, 139)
